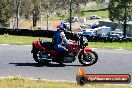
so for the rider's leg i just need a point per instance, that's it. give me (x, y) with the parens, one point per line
(63, 50)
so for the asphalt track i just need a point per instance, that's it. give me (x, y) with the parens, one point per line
(17, 60)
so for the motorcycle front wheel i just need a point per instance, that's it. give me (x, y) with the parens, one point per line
(88, 58)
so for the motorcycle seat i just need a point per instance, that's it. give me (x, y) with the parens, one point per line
(46, 44)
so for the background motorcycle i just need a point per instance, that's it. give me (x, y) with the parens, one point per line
(43, 52)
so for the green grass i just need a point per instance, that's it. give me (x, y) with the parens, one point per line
(114, 45)
(85, 12)
(102, 14)
(25, 40)
(19, 40)
(18, 82)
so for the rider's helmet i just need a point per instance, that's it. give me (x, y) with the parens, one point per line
(64, 25)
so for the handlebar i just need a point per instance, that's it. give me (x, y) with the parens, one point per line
(82, 40)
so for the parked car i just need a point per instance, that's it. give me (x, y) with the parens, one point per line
(80, 31)
(103, 31)
(89, 32)
(82, 19)
(95, 17)
(83, 26)
(115, 35)
(73, 19)
(91, 25)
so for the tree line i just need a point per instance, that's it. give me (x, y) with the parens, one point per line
(34, 8)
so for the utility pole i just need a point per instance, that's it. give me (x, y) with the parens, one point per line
(47, 16)
(47, 22)
(70, 15)
(41, 13)
(17, 13)
(125, 20)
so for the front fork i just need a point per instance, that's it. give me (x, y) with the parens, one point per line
(32, 49)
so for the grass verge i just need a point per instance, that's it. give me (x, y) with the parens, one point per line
(114, 45)
(18, 82)
(26, 40)
(19, 40)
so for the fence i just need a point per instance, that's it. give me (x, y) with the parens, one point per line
(50, 34)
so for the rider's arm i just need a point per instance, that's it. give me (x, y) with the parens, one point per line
(64, 40)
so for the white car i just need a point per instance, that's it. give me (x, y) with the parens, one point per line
(95, 17)
(87, 32)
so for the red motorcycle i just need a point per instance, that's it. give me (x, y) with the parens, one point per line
(43, 52)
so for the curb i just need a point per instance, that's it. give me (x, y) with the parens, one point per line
(61, 80)
(4, 44)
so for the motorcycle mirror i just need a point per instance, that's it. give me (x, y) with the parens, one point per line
(86, 44)
(40, 39)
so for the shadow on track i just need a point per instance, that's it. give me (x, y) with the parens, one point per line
(44, 65)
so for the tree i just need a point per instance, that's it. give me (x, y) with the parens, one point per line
(30, 9)
(5, 12)
(34, 8)
(35, 12)
(120, 11)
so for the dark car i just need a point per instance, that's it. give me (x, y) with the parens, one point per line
(93, 25)
(113, 34)
(89, 33)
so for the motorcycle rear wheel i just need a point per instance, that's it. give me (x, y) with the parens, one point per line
(88, 58)
(37, 59)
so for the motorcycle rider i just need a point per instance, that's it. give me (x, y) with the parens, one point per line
(65, 40)
(58, 39)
